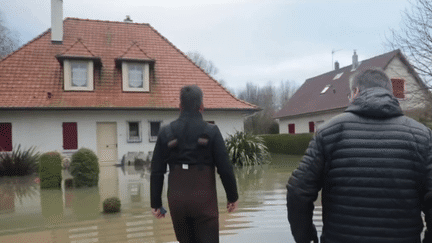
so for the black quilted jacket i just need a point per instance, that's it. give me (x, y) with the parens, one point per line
(374, 167)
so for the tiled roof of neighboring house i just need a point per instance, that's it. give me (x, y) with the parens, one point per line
(32, 76)
(308, 99)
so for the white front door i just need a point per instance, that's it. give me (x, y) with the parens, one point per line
(106, 133)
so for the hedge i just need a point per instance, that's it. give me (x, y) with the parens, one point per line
(291, 144)
(84, 168)
(50, 167)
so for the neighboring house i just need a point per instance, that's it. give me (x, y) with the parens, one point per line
(107, 86)
(325, 96)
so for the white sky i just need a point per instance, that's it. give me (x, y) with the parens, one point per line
(247, 40)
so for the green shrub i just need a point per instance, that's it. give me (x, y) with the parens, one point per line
(111, 205)
(84, 168)
(19, 162)
(247, 149)
(50, 168)
(291, 144)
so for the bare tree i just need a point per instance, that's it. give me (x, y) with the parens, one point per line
(8, 40)
(270, 100)
(414, 39)
(203, 63)
(285, 91)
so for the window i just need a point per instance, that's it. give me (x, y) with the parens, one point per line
(154, 130)
(134, 132)
(135, 76)
(312, 127)
(5, 137)
(398, 88)
(70, 135)
(325, 88)
(78, 75)
(291, 128)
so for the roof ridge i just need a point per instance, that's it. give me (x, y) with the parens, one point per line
(105, 21)
(26, 44)
(365, 60)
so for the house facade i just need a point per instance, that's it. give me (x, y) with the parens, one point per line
(321, 98)
(107, 86)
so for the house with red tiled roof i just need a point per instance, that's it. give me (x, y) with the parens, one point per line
(107, 86)
(322, 97)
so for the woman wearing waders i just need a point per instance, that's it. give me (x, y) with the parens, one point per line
(192, 149)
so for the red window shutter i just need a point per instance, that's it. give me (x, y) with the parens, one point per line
(291, 128)
(398, 88)
(70, 135)
(312, 127)
(6, 137)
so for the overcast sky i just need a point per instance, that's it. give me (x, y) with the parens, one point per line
(247, 40)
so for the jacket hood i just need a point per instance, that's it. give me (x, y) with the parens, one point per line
(375, 103)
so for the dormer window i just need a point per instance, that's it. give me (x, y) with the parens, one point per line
(135, 76)
(78, 75)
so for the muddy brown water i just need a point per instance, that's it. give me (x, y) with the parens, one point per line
(28, 214)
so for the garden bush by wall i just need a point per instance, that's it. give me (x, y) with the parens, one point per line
(291, 144)
(84, 168)
(50, 167)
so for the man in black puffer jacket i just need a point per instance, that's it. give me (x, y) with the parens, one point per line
(374, 166)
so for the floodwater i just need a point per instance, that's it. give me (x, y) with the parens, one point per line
(28, 214)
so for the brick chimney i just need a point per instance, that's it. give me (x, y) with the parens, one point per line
(57, 21)
(336, 65)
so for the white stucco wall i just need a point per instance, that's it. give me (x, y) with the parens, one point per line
(413, 93)
(302, 122)
(43, 129)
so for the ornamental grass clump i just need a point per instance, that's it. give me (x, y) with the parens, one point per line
(50, 168)
(19, 162)
(247, 149)
(111, 205)
(84, 168)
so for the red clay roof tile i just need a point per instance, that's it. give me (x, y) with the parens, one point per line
(31, 72)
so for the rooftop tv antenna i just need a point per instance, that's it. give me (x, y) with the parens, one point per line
(333, 52)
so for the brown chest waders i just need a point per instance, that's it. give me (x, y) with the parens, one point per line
(192, 195)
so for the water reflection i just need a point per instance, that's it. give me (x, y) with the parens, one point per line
(16, 188)
(74, 215)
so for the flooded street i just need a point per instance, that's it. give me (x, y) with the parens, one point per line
(74, 215)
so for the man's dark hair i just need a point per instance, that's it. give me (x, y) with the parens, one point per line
(370, 78)
(191, 98)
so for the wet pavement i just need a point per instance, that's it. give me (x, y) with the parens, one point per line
(28, 214)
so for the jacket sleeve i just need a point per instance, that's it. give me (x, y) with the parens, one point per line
(224, 166)
(158, 170)
(303, 187)
(427, 202)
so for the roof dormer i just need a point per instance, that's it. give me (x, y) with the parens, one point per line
(135, 68)
(78, 67)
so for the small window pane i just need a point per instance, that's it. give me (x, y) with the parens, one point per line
(79, 74)
(154, 128)
(325, 88)
(133, 130)
(136, 76)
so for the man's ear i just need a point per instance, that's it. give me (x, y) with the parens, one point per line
(201, 109)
